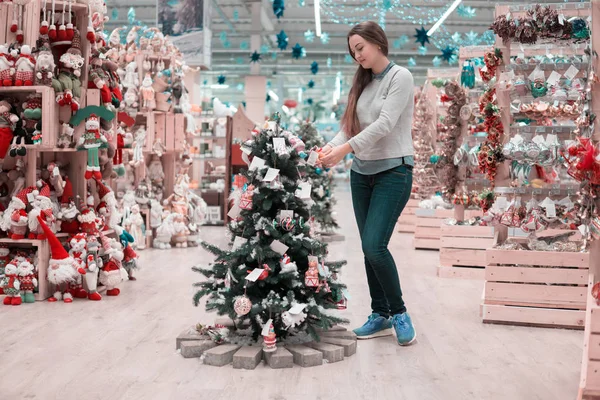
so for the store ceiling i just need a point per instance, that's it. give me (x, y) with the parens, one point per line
(234, 18)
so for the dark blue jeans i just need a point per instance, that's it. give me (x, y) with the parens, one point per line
(378, 201)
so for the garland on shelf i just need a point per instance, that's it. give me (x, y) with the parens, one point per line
(541, 22)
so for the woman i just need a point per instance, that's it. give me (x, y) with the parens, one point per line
(376, 127)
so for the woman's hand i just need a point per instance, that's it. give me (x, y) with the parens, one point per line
(331, 156)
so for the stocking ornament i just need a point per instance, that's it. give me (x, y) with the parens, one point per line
(44, 25)
(70, 29)
(62, 29)
(17, 22)
(52, 29)
(91, 36)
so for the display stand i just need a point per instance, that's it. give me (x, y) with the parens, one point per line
(524, 287)
(407, 222)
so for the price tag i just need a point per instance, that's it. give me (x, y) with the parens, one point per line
(501, 203)
(55, 171)
(551, 210)
(238, 242)
(553, 78)
(304, 190)
(561, 19)
(266, 328)
(539, 139)
(257, 163)
(253, 276)
(286, 214)
(571, 72)
(234, 212)
(30, 197)
(279, 247)
(279, 145)
(551, 139)
(271, 174)
(297, 308)
(312, 158)
(547, 201)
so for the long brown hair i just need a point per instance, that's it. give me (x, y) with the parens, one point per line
(372, 33)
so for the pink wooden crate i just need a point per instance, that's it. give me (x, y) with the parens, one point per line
(160, 128)
(462, 251)
(170, 131)
(539, 288)
(589, 386)
(179, 131)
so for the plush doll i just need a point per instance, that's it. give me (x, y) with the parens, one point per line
(65, 139)
(155, 170)
(4, 260)
(93, 265)
(7, 67)
(68, 213)
(44, 66)
(180, 237)
(164, 233)
(131, 79)
(67, 85)
(24, 67)
(12, 285)
(98, 79)
(14, 220)
(109, 64)
(55, 179)
(148, 94)
(138, 148)
(118, 166)
(88, 221)
(42, 207)
(137, 222)
(7, 125)
(110, 274)
(86, 267)
(106, 156)
(156, 212)
(128, 202)
(130, 101)
(32, 116)
(27, 280)
(91, 140)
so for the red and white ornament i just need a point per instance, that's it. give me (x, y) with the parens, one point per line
(242, 305)
(246, 198)
(269, 337)
(311, 277)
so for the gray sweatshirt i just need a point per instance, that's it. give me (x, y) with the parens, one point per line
(385, 112)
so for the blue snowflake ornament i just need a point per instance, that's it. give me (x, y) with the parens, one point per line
(472, 37)
(324, 38)
(329, 62)
(298, 51)
(466, 11)
(412, 62)
(421, 36)
(221, 79)
(236, 15)
(447, 53)
(115, 13)
(255, 57)
(309, 36)
(278, 8)
(311, 84)
(436, 61)
(240, 87)
(223, 36)
(282, 40)
(314, 67)
(264, 49)
(244, 45)
(456, 37)
(131, 16)
(422, 51)
(348, 59)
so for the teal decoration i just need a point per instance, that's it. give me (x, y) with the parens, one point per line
(282, 40)
(273, 56)
(447, 53)
(422, 51)
(311, 84)
(278, 8)
(264, 49)
(268, 98)
(236, 15)
(221, 79)
(205, 82)
(400, 42)
(309, 36)
(223, 36)
(255, 57)
(436, 61)
(131, 16)
(314, 67)
(434, 158)
(298, 51)
(329, 62)
(301, 3)
(309, 101)
(387, 5)
(412, 62)
(244, 45)
(472, 36)
(421, 36)
(227, 44)
(348, 59)
(318, 170)
(115, 13)
(324, 37)
(467, 76)
(240, 87)
(466, 12)
(239, 60)
(456, 37)
(303, 154)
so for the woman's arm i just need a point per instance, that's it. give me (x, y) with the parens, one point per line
(338, 140)
(399, 94)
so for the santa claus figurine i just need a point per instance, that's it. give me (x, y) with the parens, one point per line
(7, 67)
(92, 140)
(12, 286)
(27, 280)
(78, 252)
(14, 220)
(8, 123)
(25, 67)
(42, 206)
(109, 202)
(92, 268)
(62, 268)
(88, 222)
(110, 273)
(68, 210)
(4, 260)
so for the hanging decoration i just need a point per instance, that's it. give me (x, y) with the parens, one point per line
(456, 37)
(421, 36)
(301, 3)
(400, 42)
(282, 40)
(314, 67)
(244, 45)
(324, 38)
(264, 49)
(329, 62)
(240, 87)
(422, 51)
(351, 13)
(348, 59)
(236, 15)
(298, 51)
(309, 36)
(268, 98)
(436, 62)
(278, 8)
(221, 79)
(412, 62)
(311, 84)
(448, 53)
(255, 57)
(466, 11)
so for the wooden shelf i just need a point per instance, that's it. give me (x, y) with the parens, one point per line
(60, 5)
(24, 89)
(33, 242)
(209, 158)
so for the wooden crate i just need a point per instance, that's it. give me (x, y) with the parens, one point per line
(589, 387)
(462, 250)
(408, 220)
(179, 131)
(537, 288)
(428, 230)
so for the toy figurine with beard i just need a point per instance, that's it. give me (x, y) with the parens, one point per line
(61, 267)
(68, 210)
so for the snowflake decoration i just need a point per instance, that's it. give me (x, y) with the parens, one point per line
(298, 51)
(273, 56)
(309, 36)
(301, 3)
(244, 45)
(472, 36)
(282, 40)
(400, 42)
(329, 62)
(456, 37)
(421, 36)
(314, 67)
(223, 36)
(115, 13)
(236, 15)
(131, 16)
(387, 4)
(240, 87)
(221, 79)
(348, 59)
(447, 53)
(239, 60)
(255, 57)
(227, 44)
(309, 101)
(324, 37)
(264, 49)
(466, 11)
(278, 8)
(412, 62)
(422, 50)
(436, 61)
(311, 84)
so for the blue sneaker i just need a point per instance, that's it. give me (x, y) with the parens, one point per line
(405, 331)
(376, 326)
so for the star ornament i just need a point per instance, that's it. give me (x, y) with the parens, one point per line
(421, 36)
(311, 84)
(456, 37)
(314, 67)
(472, 36)
(298, 51)
(309, 36)
(278, 8)
(255, 57)
(221, 79)
(447, 53)
(466, 11)
(324, 38)
(282, 40)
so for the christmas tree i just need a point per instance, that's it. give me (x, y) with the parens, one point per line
(426, 181)
(274, 272)
(322, 181)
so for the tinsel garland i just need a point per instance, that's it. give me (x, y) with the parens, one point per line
(540, 22)
(450, 132)
(426, 182)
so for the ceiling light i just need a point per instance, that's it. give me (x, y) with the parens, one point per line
(318, 18)
(273, 95)
(217, 86)
(443, 17)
